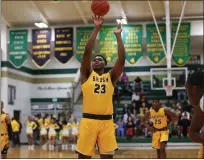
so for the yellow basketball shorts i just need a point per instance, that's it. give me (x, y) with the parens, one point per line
(92, 132)
(4, 143)
(158, 137)
(201, 152)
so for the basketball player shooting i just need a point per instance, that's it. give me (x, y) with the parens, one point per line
(97, 126)
(195, 91)
(159, 117)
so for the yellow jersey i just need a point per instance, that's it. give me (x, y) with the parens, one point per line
(15, 126)
(31, 124)
(97, 94)
(159, 118)
(4, 129)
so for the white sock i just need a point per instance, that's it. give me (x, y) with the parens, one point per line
(53, 147)
(29, 147)
(50, 147)
(63, 146)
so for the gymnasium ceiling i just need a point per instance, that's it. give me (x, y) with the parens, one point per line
(26, 13)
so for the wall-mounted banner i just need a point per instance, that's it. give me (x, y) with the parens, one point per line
(181, 53)
(155, 52)
(132, 38)
(108, 43)
(41, 47)
(82, 37)
(194, 59)
(18, 47)
(63, 44)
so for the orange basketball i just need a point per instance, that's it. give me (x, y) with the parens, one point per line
(100, 7)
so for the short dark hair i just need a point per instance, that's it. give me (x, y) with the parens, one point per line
(196, 79)
(2, 103)
(99, 55)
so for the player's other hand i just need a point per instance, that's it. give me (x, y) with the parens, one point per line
(98, 21)
(118, 30)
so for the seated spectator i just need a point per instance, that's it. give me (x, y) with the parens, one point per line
(124, 78)
(129, 128)
(116, 95)
(185, 123)
(120, 130)
(144, 108)
(138, 84)
(134, 116)
(137, 100)
(181, 95)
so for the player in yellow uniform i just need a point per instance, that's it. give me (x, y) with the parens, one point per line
(159, 117)
(5, 124)
(31, 125)
(97, 126)
(195, 92)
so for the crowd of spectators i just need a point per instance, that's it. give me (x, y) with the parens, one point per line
(129, 122)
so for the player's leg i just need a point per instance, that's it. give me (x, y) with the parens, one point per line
(4, 146)
(156, 142)
(158, 154)
(201, 152)
(88, 131)
(107, 140)
(163, 141)
(163, 150)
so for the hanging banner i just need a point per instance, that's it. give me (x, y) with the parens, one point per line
(194, 59)
(108, 43)
(132, 38)
(18, 47)
(41, 47)
(63, 44)
(181, 53)
(155, 51)
(82, 36)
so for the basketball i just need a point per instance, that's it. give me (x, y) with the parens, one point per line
(100, 8)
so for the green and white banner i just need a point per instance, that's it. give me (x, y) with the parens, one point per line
(132, 38)
(18, 47)
(108, 43)
(82, 37)
(155, 51)
(181, 53)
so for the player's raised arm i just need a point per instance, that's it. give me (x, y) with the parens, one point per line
(120, 63)
(86, 60)
(196, 125)
(172, 116)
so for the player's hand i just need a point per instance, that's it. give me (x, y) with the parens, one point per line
(98, 21)
(118, 30)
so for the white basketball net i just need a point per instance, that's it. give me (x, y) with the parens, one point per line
(169, 90)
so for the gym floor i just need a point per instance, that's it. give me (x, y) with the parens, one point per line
(23, 152)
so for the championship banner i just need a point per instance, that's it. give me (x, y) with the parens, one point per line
(18, 47)
(41, 47)
(108, 43)
(132, 38)
(181, 52)
(82, 36)
(155, 51)
(63, 44)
